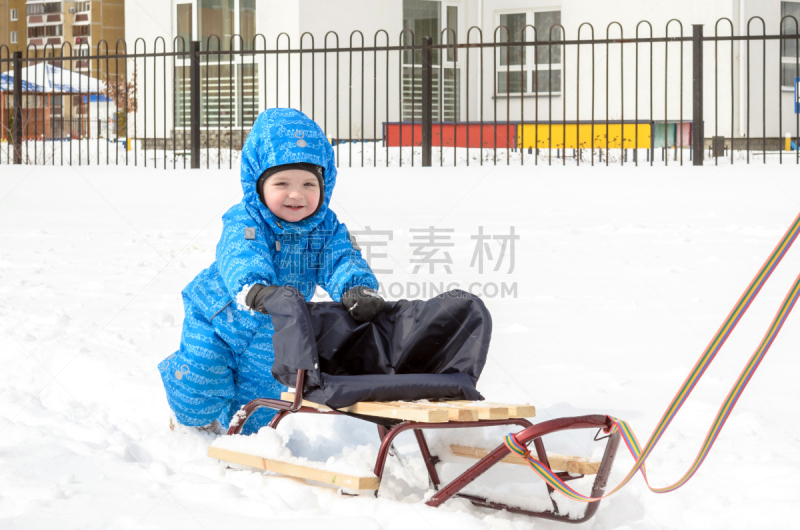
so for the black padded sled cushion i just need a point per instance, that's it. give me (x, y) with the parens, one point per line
(414, 349)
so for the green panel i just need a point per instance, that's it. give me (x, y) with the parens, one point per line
(659, 134)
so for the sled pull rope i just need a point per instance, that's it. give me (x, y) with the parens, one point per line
(640, 455)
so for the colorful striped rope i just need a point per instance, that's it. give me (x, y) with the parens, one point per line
(640, 455)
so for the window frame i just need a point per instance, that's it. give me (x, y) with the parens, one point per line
(239, 63)
(527, 67)
(14, 15)
(14, 37)
(446, 66)
(445, 35)
(78, 31)
(192, 23)
(789, 59)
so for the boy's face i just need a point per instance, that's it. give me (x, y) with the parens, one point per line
(292, 195)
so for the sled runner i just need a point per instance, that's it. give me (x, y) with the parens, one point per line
(393, 418)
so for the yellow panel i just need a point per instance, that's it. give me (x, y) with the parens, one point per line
(580, 135)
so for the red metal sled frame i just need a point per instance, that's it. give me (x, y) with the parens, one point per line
(530, 434)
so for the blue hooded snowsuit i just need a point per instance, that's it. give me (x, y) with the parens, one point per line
(226, 354)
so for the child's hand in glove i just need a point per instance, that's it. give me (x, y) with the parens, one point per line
(256, 295)
(363, 303)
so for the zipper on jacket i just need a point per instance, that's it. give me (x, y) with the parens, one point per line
(220, 310)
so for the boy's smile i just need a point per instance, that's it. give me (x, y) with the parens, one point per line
(292, 195)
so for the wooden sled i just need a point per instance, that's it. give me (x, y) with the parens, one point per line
(396, 417)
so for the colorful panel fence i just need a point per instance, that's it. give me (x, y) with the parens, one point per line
(529, 135)
(584, 135)
(665, 134)
(473, 135)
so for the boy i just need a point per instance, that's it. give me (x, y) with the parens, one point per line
(282, 233)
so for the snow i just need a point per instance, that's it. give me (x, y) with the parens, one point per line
(241, 297)
(111, 151)
(268, 443)
(622, 277)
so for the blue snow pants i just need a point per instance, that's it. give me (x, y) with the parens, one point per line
(220, 366)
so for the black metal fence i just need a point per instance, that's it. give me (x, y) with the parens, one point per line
(515, 97)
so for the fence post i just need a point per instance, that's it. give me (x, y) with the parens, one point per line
(194, 102)
(698, 136)
(16, 131)
(427, 100)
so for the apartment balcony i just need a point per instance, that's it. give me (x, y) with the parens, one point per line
(40, 42)
(84, 30)
(41, 20)
(43, 8)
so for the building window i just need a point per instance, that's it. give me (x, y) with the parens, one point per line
(789, 51)
(81, 31)
(424, 18)
(184, 19)
(14, 15)
(230, 90)
(14, 38)
(451, 32)
(216, 21)
(229, 98)
(41, 8)
(247, 22)
(520, 72)
(82, 7)
(511, 75)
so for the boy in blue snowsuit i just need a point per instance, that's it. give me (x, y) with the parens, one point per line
(226, 353)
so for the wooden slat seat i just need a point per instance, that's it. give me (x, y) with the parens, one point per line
(431, 411)
(571, 464)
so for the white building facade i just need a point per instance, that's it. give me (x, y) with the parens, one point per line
(519, 84)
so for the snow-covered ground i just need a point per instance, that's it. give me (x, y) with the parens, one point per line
(622, 276)
(103, 152)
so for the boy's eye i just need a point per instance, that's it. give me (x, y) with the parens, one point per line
(311, 184)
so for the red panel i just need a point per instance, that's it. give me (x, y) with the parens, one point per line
(393, 132)
(684, 136)
(449, 135)
(456, 135)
